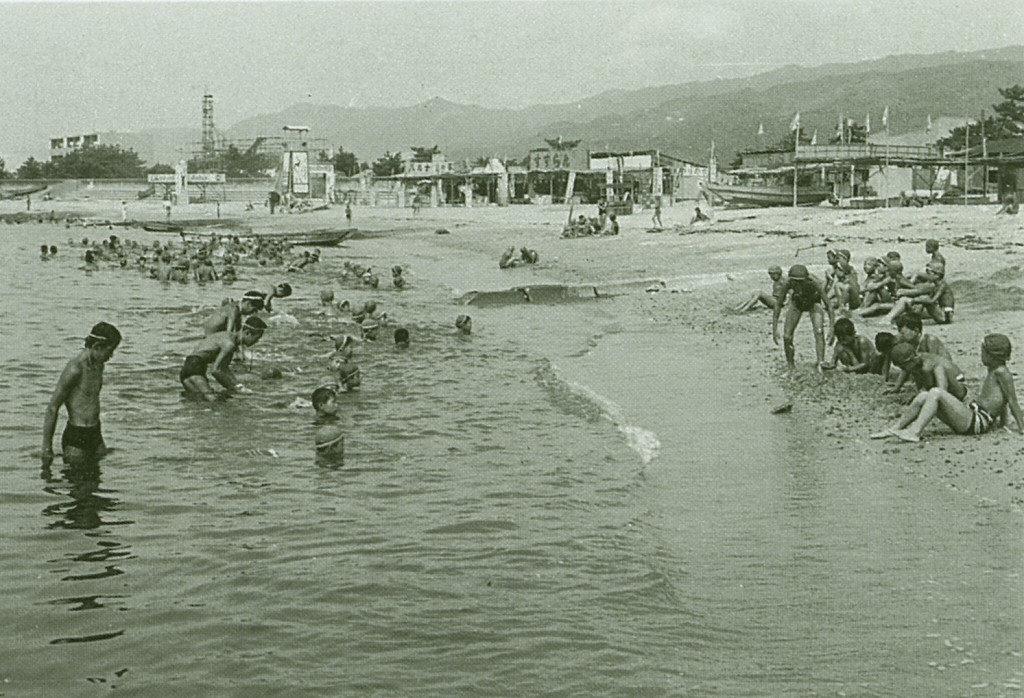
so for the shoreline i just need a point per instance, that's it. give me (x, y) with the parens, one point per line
(985, 257)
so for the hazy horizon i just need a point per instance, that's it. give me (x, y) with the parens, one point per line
(98, 67)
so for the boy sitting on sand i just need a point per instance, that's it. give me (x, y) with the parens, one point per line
(930, 296)
(998, 396)
(928, 370)
(765, 298)
(217, 350)
(855, 352)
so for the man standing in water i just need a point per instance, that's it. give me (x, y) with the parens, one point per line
(78, 390)
(806, 295)
(214, 354)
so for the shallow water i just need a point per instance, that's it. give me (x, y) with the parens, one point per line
(568, 502)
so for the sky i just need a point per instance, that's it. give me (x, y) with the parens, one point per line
(83, 67)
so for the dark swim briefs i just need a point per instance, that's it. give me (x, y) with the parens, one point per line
(88, 439)
(194, 366)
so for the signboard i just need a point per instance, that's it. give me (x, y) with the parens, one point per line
(545, 159)
(191, 178)
(207, 178)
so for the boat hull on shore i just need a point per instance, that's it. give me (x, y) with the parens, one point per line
(747, 196)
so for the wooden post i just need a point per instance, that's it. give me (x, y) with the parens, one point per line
(796, 145)
(967, 147)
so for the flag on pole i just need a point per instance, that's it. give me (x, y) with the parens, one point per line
(885, 117)
(814, 137)
(867, 123)
(795, 124)
(928, 124)
(760, 129)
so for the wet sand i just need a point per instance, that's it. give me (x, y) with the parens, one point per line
(709, 268)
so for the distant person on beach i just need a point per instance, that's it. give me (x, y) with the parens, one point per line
(230, 315)
(699, 216)
(167, 208)
(397, 280)
(274, 199)
(528, 256)
(931, 247)
(1011, 206)
(53, 251)
(124, 211)
(78, 391)
(853, 353)
(508, 259)
(464, 324)
(44, 253)
(806, 295)
(997, 399)
(348, 213)
(656, 218)
(214, 353)
(764, 297)
(613, 225)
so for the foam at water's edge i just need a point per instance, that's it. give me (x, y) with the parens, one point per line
(583, 400)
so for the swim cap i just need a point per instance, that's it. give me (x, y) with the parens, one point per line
(895, 265)
(343, 341)
(798, 271)
(254, 323)
(775, 269)
(931, 245)
(902, 352)
(997, 346)
(401, 336)
(844, 253)
(461, 320)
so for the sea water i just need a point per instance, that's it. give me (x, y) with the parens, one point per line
(567, 502)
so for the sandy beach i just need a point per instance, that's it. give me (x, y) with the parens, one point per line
(704, 269)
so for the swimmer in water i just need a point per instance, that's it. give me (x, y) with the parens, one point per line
(464, 324)
(214, 353)
(230, 315)
(78, 391)
(401, 338)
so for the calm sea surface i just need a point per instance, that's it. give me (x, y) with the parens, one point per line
(533, 510)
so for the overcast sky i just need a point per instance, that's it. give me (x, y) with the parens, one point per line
(80, 67)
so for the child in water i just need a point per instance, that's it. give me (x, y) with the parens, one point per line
(330, 438)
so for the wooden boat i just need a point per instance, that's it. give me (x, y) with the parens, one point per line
(162, 227)
(765, 196)
(13, 193)
(323, 237)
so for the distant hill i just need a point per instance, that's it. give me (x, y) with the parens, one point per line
(681, 120)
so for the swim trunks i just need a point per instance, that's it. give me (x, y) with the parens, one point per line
(88, 439)
(805, 296)
(194, 366)
(981, 421)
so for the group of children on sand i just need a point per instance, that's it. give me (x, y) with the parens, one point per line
(923, 358)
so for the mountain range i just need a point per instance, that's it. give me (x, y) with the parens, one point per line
(681, 120)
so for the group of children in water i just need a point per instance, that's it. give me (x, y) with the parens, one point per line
(922, 358)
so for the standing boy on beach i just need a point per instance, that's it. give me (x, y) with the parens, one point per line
(78, 390)
(806, 295)
(216, 351)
